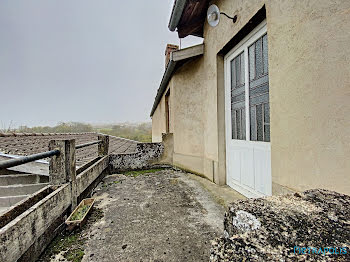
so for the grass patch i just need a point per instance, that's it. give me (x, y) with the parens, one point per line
(142, 172)
(64, 242)
(71, 244)
(75, 255)
(104, 184)
(79, 214)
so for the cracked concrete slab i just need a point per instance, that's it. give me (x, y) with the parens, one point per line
(159, 216)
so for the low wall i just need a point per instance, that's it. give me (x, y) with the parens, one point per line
(168, 151)
(29, 227)
(87, 177)
(21, 233)
(147, 155)
(24, 205)
(28, 232)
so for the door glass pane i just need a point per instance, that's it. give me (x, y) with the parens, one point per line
(267, 113)
(238, 97)
(266, 122)
(251, 62)
(233, 75)
(243, 123)
(238, 123)
(238, 70)
(253, 123)
(259, 122)
(233, 121)
(259, 91)
(265, 55)
(258, 58)
(242, 69)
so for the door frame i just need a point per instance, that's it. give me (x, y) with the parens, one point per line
(243, 45)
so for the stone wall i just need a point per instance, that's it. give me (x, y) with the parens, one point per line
(147, 155)
(308, 226)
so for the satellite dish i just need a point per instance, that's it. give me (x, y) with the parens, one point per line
(213, 15)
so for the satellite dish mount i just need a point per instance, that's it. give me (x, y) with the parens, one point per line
(213, 16)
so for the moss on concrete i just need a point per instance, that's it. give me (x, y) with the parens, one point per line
(75, 255)
(71, 244)
(142, 172)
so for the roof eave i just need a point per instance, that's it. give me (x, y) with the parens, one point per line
(175, 58)
(176, 14)
(164, 83)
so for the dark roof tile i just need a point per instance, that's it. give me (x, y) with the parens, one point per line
(28, 144)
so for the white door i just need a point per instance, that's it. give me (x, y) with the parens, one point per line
(248, 151)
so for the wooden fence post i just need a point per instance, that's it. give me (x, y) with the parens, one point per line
(103, 146)
(62, 167)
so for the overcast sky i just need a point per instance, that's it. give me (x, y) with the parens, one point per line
(96, 61)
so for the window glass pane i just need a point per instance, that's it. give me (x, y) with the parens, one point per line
(233, 74)
(258, 58)
(238, 124)
(238, 97)
(266, 122)
(243, 123)
(233, 123)
(251, 52)
(259, 122)
(242, 69)
(265, 55)
(253, 123)
(267, 132)
(267, 113)
(238, 70)
(259, 91)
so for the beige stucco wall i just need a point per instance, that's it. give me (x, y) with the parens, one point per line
(159, 117)
(310, 93)
(158, 122)
(309, 63)
(189, 106)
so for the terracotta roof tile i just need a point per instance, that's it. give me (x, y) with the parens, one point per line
(27, 144)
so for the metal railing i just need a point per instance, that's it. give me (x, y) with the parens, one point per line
(88, 144)
(27, 159)
(34, 157)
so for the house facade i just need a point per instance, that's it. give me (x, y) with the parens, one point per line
(263, 105)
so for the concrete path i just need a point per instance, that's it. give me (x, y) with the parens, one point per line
(161, 216)
(155, 215)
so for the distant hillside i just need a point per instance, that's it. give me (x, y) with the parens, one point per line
(141, 132)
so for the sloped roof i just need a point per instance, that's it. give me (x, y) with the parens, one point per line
(22, 144)
(177, 59)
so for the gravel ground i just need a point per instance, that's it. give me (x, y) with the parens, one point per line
(164, 215)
